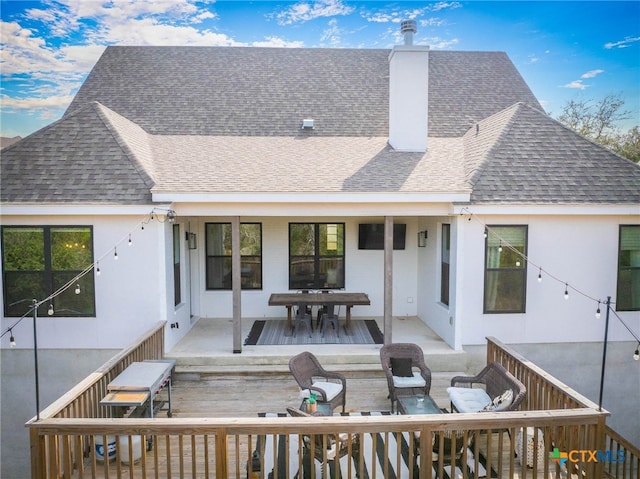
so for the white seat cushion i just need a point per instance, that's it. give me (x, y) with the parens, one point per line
(415, 381)
(332, 389)
(468, 399)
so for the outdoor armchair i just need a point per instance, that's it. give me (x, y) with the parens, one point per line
(406, 372)
(329, 387)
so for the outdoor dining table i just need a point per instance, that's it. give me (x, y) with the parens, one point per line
(318, 299)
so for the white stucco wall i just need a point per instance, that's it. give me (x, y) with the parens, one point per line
(129, 293)
(579, 250)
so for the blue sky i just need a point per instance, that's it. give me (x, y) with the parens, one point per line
(564, 50)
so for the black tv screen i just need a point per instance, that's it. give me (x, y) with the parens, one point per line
(371, 236)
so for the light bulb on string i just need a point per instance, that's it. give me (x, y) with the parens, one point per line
(485, 233)
(98, 268)
(130, 242)
(12, 340)
(115, 253)
(50, 311)
(500, 247)
(598, 311)
(77, 290)
(566, 291)
(540, 276)
(636, 353)
(518, 263)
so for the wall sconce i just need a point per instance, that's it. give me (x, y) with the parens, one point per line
(191, 238)
(422, 239)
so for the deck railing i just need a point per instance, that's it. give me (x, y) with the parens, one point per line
(71, 439)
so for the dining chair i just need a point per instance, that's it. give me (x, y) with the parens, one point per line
(330, 318)
(303, 317)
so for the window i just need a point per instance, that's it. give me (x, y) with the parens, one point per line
(505, 277)
(316, 255)
(39, 260)
(445, 255)
(628, 295)
(218, 250)
(177, 293)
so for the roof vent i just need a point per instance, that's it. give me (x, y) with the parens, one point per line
(408, 28)
(307, 124)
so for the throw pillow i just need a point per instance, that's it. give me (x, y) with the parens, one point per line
(501, 402)
(401, 367)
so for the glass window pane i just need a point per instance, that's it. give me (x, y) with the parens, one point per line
(331, 239)
(251, 272)
(250, 239)
(504, 291)
(331, 272)
(23, 249)
(69, 303)
(71, 249)
(506, 247)
(302, 239)
(302, 273)
(628, 289)
(218, 239)
(219, 272)
(20, 289)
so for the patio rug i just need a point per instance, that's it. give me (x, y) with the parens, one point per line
(376, 463)
(276, 332)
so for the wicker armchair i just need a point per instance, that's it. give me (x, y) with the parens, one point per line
(420, 379)
(494, 380)
(327, 452)
(329, 387)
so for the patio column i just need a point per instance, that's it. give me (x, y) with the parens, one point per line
(236, 284)
(388, 277)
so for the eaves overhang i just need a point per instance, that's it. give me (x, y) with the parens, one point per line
(313, 198)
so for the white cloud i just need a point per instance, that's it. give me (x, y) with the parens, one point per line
(576, 84)
(626, 43)
(278, 43)
(305, 11)
(331, 35)
(591, 74)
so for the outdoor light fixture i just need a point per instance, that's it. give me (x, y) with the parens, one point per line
(636, 353)
(77, 290)
(12, 340)
(422, 239)
(191, 238)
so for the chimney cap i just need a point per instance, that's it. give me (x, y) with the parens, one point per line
(408, 28)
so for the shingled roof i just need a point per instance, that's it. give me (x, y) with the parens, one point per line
(521, 155)
(82, 158)
(216, 120)
(238, 91)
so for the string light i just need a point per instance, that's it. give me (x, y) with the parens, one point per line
(115, 253)
(500, 247)
(540, 276)
(12, 340)
(77, 290)
(598, 311)
(566, 291)
(50, 311)
(130, 242)
(97, 268)
(636, 353)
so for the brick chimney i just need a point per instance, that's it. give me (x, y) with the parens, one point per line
(408, 93)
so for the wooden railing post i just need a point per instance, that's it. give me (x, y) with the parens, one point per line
(222, 453)
(38, 457)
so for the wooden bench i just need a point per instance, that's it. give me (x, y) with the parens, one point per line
(493, 381)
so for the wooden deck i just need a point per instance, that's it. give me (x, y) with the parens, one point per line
(215, 427)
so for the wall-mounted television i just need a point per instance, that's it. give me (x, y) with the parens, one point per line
(371, 236)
